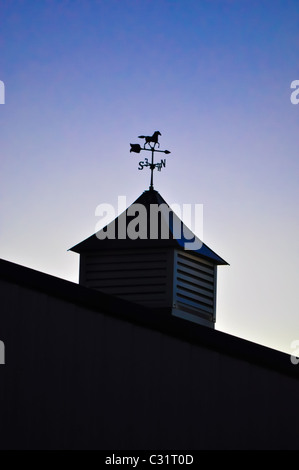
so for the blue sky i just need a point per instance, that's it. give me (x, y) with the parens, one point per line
(84, 78)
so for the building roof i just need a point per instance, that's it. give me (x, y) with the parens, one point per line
(178, 234)
(158, 320)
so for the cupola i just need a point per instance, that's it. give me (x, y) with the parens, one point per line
(148, 256)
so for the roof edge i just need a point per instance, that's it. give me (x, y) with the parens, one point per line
(158, 319)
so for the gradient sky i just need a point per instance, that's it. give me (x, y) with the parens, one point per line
(84, 78)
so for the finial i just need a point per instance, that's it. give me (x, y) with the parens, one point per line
(151, 141)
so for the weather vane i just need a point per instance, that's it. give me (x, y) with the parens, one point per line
(152, 141)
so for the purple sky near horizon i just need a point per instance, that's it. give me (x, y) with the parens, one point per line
(84, 78)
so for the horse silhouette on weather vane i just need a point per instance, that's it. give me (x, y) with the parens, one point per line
(151, 138)
(152, 141)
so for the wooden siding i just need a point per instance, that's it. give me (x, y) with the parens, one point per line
(77, 378)
(136, 275)
(194, 285)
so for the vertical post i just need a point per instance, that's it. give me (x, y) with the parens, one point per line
(152, 171)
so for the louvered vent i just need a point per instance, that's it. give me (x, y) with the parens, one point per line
(136, 275)
(195, 286)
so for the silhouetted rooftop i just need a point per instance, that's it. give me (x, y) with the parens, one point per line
(148, 198)
(158, 320)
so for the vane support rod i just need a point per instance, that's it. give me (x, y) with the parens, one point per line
(152, 141)
(152, 172)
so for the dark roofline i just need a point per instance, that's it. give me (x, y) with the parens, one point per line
(159, 320)
(147, 199)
